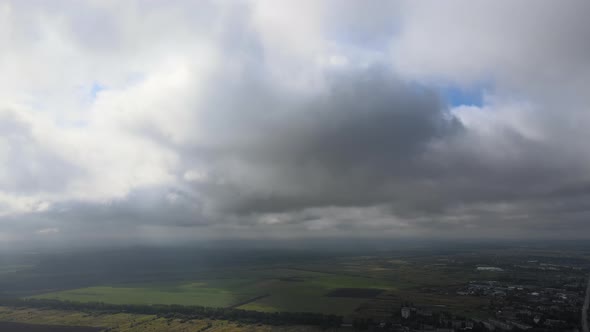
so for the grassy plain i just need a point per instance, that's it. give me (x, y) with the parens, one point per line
(213, 293)
(262, 281)
(288, 287)
(295, 288)
(301, 292)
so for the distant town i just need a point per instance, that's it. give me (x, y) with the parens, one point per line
(552, 302)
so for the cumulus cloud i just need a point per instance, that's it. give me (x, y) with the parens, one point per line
(149, 121)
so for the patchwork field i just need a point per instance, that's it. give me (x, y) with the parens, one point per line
(299, 292)
(341, 285)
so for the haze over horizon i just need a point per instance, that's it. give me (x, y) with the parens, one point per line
(150, 122)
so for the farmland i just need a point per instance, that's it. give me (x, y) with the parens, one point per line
(291, 282)
(349, 285)
(299, 292)
(214, 293)
(339, 285)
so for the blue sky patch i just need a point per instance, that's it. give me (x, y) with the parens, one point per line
(457, 96)
(96, 88)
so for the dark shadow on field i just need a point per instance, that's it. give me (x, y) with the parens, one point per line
(364, 293)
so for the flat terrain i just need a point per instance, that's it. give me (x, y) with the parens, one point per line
(212, 293)
(377, 283)
(341, 285)
(73, 321)
(310, 292)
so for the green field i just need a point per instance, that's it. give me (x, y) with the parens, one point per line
(276, 290)
(213, 293)
(309, 295)
(301, 287)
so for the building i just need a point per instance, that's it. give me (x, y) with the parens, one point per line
(405, 312)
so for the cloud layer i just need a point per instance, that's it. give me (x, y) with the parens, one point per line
(157, 122)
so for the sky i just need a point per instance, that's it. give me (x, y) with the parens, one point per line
(178, 121)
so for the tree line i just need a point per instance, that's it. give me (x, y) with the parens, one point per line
(185, 312)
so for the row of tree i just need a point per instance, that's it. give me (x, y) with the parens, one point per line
(185, 312)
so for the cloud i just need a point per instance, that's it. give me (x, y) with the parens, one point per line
(29, 163)
(149, 122)
(48, 231)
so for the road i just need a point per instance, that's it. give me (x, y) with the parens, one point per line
(585, 309)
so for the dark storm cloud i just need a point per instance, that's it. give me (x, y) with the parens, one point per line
(347, 145)
(368, 139)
